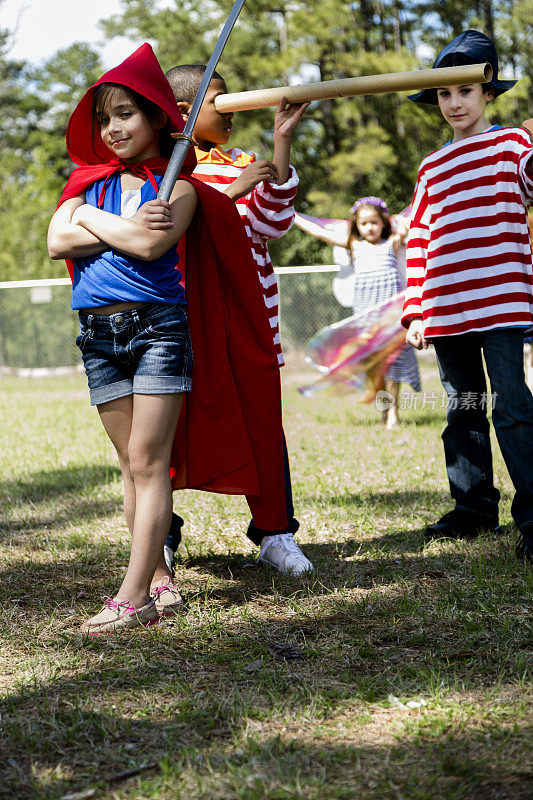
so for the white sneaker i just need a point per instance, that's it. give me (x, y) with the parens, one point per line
(170, 558)
(282, 552)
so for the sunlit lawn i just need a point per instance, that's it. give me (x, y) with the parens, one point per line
(397, 670)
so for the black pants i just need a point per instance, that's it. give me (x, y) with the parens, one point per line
(466, 437)
(256, 534)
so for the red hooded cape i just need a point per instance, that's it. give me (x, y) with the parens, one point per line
(229, 437)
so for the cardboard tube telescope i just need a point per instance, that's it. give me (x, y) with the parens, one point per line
(351, 87)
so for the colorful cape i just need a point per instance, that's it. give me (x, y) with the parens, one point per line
(359, 350)
(229, 437)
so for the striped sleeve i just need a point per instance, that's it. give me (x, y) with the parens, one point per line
(525, 174)
(270, 207)
(417, 251)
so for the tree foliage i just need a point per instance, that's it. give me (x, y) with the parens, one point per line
(342, 150)
(34, 164)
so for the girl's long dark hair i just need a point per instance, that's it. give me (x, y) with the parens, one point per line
(354, 234)
(103, 92)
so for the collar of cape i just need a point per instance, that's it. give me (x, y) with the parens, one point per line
(84, 176)
(219, 156)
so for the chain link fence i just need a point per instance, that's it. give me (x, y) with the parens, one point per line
(38, 329)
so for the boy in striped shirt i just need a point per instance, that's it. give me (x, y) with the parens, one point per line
(264, 193)
(470, 292)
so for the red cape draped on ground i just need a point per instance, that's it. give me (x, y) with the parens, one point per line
(229, 436)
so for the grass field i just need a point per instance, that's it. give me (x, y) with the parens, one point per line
(397, 670)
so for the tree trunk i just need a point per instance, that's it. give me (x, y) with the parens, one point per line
(365, 7)
(328, 121)
(488, 17)
(397, 26)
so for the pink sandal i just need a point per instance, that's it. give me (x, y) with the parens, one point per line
(120, 615)
(167, 598)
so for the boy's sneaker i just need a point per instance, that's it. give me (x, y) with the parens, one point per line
(458, 524)
(283, 553)
(168, 599)
(118, 616)
(524, 546)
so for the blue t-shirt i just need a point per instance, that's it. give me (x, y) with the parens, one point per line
(112, 277)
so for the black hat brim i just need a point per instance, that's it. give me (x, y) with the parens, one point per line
(429, 96)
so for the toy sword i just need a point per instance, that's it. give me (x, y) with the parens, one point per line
(185, 139)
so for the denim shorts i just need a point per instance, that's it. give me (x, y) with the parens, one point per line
(145, 350)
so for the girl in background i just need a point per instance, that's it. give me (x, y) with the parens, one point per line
(371, 261)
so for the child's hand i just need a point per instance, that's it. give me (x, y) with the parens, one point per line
(415, 335)
(254, 173)
(400, 227)
(397, 241)
(288, 118)
(154, 215)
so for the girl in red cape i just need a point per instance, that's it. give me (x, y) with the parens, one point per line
(136, 327)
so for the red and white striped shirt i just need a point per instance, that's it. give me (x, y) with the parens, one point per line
(469, 261)
(267, 213)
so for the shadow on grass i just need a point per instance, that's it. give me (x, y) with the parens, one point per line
(177, 692)
(405, 500)
(49, 484)
(422, 418)
(332, 558)
(67, 487)
(419, 623)
(94, 568)
(397, 544)
(295, 767)
(224, 759)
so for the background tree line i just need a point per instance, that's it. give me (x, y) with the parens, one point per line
(344, 148)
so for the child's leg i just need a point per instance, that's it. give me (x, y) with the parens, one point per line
(512, 415)
(116, 417)
(278, 548)
(152, 430)
(374, 383)
(466, 437)
(393, 388)
(256, 535)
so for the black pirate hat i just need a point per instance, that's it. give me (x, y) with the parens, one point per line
(470, 47)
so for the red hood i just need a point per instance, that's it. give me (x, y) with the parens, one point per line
(140, 72)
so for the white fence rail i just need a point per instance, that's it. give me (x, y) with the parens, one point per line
(314, 268)
(38, 328)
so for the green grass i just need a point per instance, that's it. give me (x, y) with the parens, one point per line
(409, 669)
